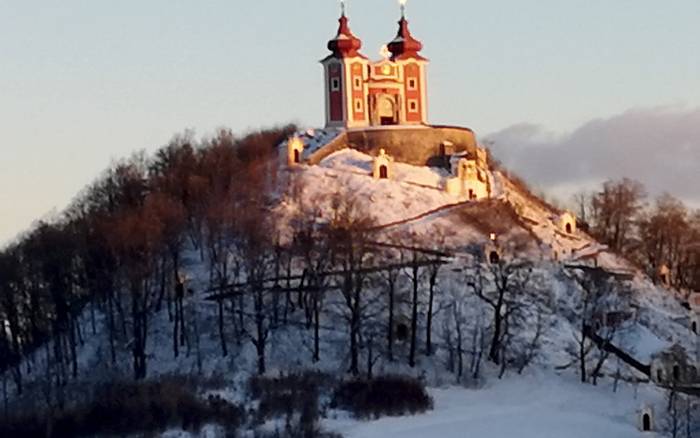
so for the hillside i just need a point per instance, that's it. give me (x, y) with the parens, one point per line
(406, 219)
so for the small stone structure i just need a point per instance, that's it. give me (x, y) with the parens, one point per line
(401, 328)
(646, 419)
(492, 252)
(567, 222)
(673, 367)
(694, 302)
(295, 151)
(664, 275)
(382, 166)
(470, 175)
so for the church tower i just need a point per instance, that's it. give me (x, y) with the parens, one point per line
(345, 79)
(405, 54)
(361, 93)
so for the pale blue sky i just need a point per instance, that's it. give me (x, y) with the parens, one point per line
(86, 81)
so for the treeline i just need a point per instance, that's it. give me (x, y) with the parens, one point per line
(118, 247)
(657, 233)
(312, 267)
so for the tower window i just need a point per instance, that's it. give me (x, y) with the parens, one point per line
(413, 105)
(358, 105)
(412, 84)
(358, 83)
(335, 84)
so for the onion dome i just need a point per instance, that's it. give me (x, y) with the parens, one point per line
(404, 46)
(345, 44)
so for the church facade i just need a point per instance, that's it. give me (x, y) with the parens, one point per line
(361, 93)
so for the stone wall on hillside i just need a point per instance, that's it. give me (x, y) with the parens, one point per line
(420, 145)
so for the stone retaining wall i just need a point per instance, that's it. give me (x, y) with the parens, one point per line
(418, 146)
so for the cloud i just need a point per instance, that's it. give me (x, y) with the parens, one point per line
(659, 147)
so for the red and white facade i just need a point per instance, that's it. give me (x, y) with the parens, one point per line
(361, 93)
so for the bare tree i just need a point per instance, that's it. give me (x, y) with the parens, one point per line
(501, 286)
(351, 252)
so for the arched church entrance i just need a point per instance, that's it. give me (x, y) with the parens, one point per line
(383, 172)
(386, 110)
(646, 423)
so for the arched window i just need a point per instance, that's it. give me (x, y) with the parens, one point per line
(569, 229)
(494, 258)
(694, 327)
(646, 423)
(297, 156)
(383, 172)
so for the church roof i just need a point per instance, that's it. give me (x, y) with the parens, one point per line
(404, 45)
(345, 44)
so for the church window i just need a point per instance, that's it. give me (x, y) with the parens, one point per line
(297, 156)
(412, 84)
(358, 105)
(413, 105)
(358, 83)
(335, 84)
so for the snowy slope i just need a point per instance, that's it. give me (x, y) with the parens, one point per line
(541, 404)
(414, 202)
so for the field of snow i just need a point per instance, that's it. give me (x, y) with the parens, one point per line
(542, 406)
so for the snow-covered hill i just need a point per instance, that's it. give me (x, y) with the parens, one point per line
(545, 401)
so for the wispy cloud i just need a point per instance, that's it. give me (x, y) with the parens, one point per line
(658, 146)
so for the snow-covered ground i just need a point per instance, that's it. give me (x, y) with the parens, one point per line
(539, 404)
(534, 406)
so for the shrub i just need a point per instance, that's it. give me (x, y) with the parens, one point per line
(285, 395)
(387, 395)
(123, 408)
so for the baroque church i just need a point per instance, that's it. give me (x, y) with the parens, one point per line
(380, 108)
(360, 92)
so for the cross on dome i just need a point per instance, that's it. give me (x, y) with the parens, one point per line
(403, 7)
(405, 46)
(345, 44)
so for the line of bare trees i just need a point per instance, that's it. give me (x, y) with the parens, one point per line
(114, 261)
(654, 233)
(116, 251)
